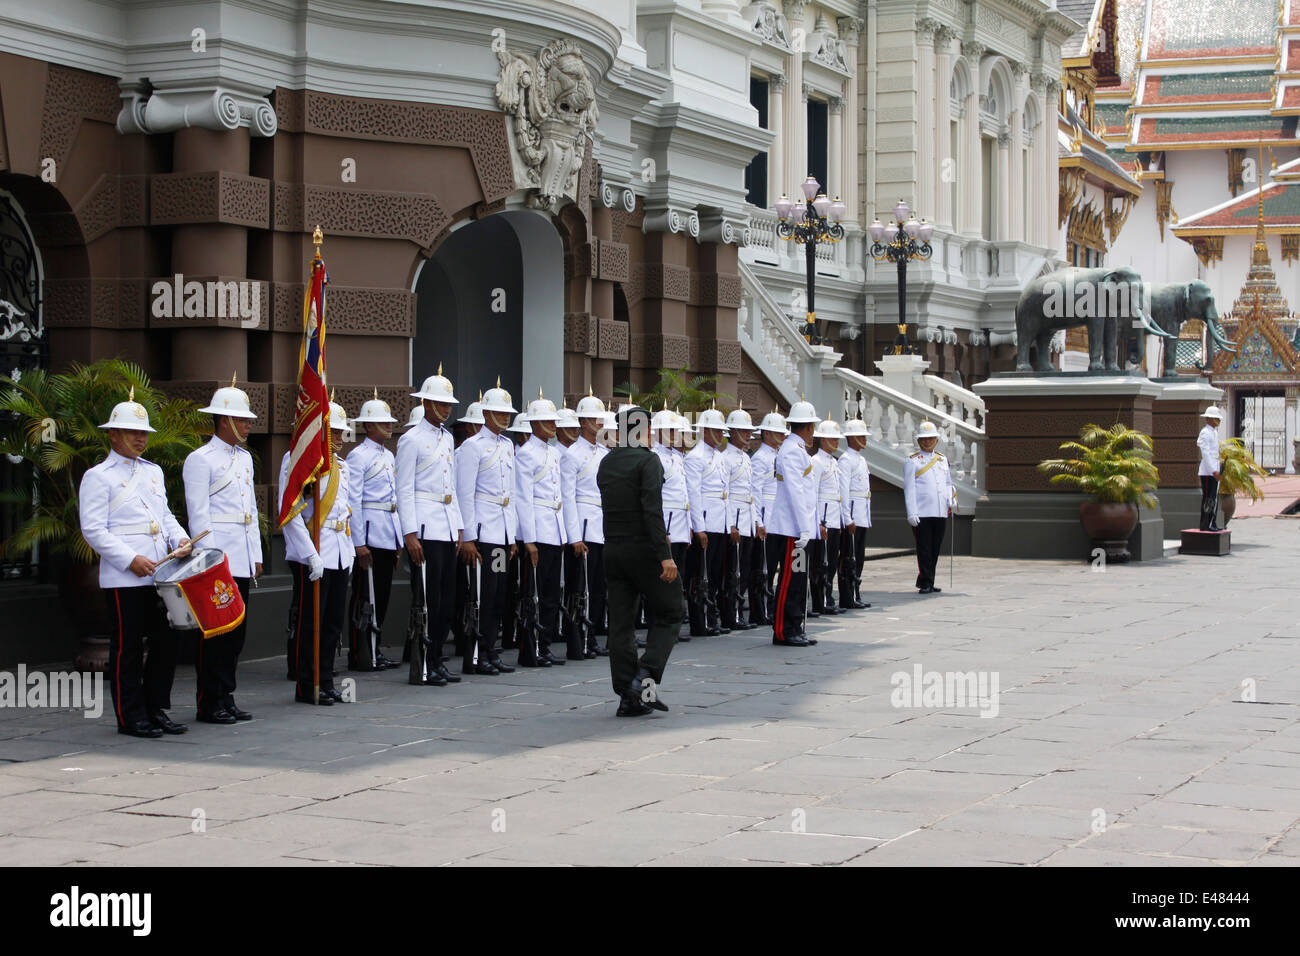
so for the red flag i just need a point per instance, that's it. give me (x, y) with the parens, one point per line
(309, 452)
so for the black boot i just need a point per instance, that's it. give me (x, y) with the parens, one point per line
(644, 681)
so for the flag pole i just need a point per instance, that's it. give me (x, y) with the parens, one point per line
(317, 238)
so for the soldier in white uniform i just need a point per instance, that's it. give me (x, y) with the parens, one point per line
(928, 495)
(665, 430)
(417, 414)
(567, 427)
(220, 499)
(856, 478)
(1207, 442)
(485, 489)
(331, 565)
(373, 471)
(126, 520)
(514, 618)
(706, 485)
(771, 433)
(739, 556)
(583, 517)
(430, 518)
(824, 557)
(539, 495)
(472, 420)
(793, 522)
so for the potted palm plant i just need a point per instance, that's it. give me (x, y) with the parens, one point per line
(1237, 473)
(49, 424)
(1113, 466)
(674, 390)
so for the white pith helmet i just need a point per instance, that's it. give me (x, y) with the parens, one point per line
(377, 410)
(773, 422)
(927, 430)
(711, 418)
(828, 429)
(854, 427)
(129, 415)
(542, 409)
(1213, 412)
(567, 418)
(417, 416)
(338, 417)
(611, 422)
(229, 401)
(801, 413)
(436, 388)
(474, 414)
(739, 418)
(684, 424)
(664, 421)
(497, 399)
(589, 406)
(521, 426)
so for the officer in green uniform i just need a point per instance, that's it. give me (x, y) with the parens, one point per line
(637, 562)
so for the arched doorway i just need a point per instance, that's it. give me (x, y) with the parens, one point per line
(491, 302)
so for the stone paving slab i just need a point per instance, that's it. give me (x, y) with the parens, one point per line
(1121, 738)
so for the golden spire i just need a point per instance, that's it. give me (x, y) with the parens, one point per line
(232, 378)
(130, 396)
(480, 396)
(439, 368)
(498, 381)
(331, 393)
(589, 391)
(376, 393)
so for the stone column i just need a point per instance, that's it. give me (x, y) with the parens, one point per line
(850, 32)
(796, 110)
(945, 172)
(834, 154)
(1047, 162)
(972, 171)
(1004, 197)
(1016, 206)
(925, 113)
(777, 183)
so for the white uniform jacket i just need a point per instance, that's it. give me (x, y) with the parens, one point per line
(219, 497)
(124, 513)
(578, 468)
(706, 487)
(485, 487)
(677, 505)
(857, 487)
(539, 493)
(1208, 442)
(427, 502)
(372, 470)
(794, 512)
(830, 491)
(740, 490)
(927, 487)
(336, 549)
(763, 463)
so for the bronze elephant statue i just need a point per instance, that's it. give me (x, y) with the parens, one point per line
(1170, 304)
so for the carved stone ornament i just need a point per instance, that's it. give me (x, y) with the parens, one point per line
(769, 23)
(217, 110)
(826, 47)
(612, 196)
(851, 29)
(551, 114)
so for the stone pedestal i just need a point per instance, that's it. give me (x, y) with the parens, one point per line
(1022, 515)
(1212, 543)
(1175, 422)
(903, 374)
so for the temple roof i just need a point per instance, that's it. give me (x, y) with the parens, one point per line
(1199, 29)
(1241, 215)
(1189, 131)
(1081, 12)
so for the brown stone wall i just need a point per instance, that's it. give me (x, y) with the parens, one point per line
(1174, 427)
(1024, 430)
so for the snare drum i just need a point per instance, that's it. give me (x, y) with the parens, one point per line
(200, 592)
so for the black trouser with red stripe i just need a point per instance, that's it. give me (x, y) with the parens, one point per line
(853, 548)
(929, 545)
(385, 562)
(141, 654)
(334, 605)
(791, 604)
(215, 664)
(439, 570)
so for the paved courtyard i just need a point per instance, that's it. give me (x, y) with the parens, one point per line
(1117, 735)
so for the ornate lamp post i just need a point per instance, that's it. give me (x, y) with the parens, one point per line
(910, 240)
(815, 220)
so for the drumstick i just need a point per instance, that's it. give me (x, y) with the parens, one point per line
(190, 544)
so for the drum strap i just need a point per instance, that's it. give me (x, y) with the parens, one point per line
(132, 487)
(224, 479)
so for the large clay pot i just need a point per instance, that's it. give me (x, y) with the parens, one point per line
(1109, 524)
(85, 604)
(1228, 505)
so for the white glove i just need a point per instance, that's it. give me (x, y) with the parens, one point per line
(317, 567)
(913, 520)
(801, 543)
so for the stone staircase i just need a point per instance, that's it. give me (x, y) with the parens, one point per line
(892, 404)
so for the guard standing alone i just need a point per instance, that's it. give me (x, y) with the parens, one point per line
(928, 495)
(1207, 442)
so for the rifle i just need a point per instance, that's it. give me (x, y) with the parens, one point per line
(470, 620)
(364, 617)
(533, 626)
(712, 614)
(417, 632)
(576, 611)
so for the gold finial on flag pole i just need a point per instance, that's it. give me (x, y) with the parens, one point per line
(317, 239)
